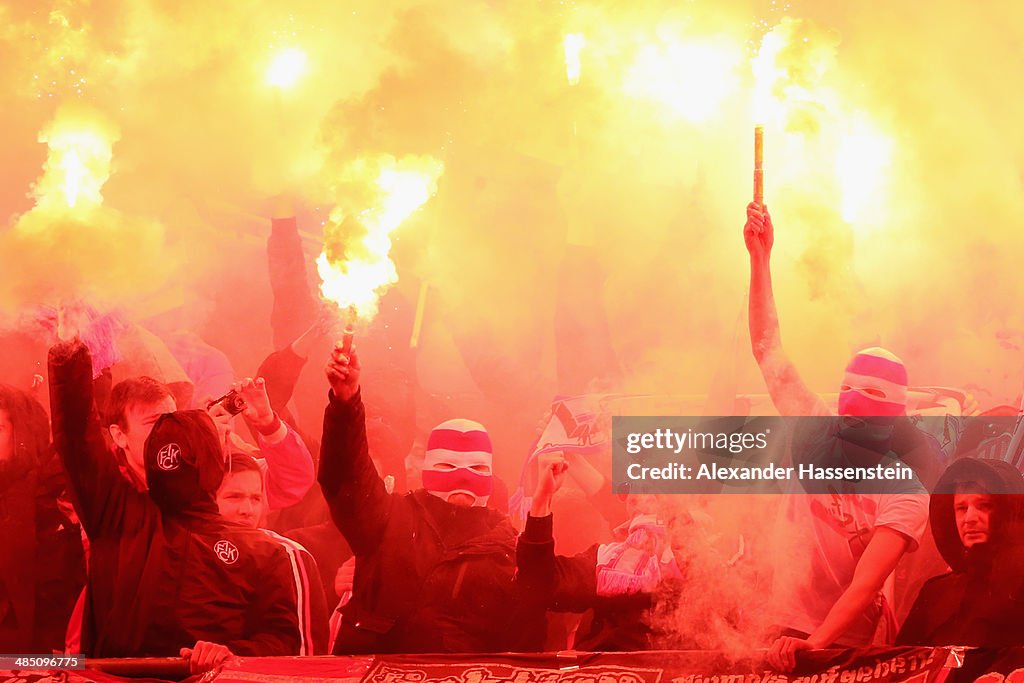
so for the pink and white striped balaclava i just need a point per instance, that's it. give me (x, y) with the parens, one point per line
(458, 460)
(875, 384)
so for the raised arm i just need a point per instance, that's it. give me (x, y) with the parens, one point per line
(287, 462)
(293, 305)
(557, 582)
(281, 369)
(545, 579)
(289, 466)
(355, 493)
(102, 496)
(787, 390)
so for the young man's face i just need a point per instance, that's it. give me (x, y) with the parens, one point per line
(6, 436)
(973, 517)
(240, 498)
(139, 420)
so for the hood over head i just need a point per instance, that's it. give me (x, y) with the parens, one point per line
(996, 477)
(184, 463)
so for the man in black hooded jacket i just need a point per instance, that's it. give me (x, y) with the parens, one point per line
(174, 576)
(434, 571)
(977, 512)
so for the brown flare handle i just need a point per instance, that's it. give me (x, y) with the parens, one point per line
(349, 333)
(759, 165)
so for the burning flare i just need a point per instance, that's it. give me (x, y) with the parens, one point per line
(354, 267)
(794, 71)
(286, 68)
(791, 71)
(80, 145)
(574, 44)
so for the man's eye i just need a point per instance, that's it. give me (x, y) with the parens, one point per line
(845, 387)
(444, 466)
(482, 469)
(877, 393)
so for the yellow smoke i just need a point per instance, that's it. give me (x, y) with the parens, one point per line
(689, 76)
(862, 160)
(882, 146)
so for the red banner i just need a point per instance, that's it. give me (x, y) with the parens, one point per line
(893, 665)
(904, 665)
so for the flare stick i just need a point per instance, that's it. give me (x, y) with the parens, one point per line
(758, 164)
(417, 323)
(350, 331)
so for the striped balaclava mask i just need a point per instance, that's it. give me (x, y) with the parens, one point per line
(458, 460)
(875, 384)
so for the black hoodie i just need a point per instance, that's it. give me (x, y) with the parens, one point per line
(165, 570)
(980, 601)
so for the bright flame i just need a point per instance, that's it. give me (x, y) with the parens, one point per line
(767, 73)
(574, 44)
(795, 94)
(286, 68)
(354, 266)
(789, 71)
(862, 160)
(78, 163)
(691, 78)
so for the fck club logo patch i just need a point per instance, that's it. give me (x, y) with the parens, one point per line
(226, 551)
(168, 458)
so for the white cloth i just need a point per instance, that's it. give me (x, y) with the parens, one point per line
(638, 563)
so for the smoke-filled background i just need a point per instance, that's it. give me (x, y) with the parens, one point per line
(146, 144)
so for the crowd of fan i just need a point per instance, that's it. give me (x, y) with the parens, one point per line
(133, 525)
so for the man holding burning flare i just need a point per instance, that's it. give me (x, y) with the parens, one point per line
(856, 539)
(435, 568)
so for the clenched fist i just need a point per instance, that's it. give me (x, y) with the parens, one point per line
(758, 232)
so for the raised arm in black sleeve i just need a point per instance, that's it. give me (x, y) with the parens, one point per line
(360, 506)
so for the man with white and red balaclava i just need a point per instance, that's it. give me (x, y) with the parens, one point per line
(855, 537)
(435, 568)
